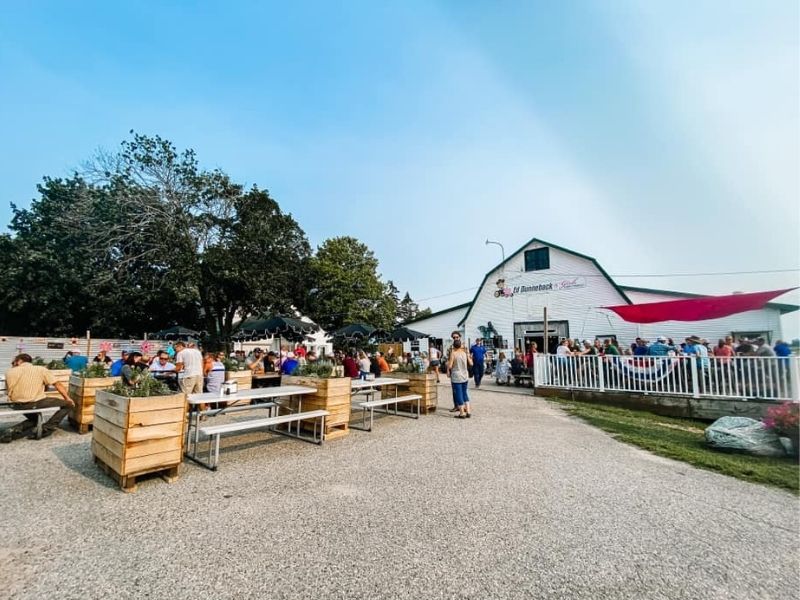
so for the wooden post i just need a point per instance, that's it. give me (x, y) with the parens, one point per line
(546, 337)
(88, 345)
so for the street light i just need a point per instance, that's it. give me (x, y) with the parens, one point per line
(503, 250)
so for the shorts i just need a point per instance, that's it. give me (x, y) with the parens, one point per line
(192, 385)
(434, 363)
(460, 396)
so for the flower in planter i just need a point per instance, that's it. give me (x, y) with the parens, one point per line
(94, 371)
(145, 386)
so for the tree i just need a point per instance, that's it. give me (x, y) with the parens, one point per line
(408, 310)
(345, 286)
(143, 239)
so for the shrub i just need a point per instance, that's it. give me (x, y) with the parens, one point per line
(94, 371)
(146, 386)
(321, 369)
(233, 365)
(783, 419)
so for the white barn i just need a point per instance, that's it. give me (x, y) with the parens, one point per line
(513, 296)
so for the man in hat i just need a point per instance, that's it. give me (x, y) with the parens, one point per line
(256, 362)
(659, 347)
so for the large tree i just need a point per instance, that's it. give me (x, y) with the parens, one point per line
(144, 238)
(408, 310)
(345, 286)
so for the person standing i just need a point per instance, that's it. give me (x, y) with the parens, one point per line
(364, 365)
(189, 366)
(458, 366)
(25, 385)
(478, 353)
(435, 356)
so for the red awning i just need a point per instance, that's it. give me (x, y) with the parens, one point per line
(695, 309)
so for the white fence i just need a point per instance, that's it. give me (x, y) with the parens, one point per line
(772, 378)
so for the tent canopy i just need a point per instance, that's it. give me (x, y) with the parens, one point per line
(695, 309)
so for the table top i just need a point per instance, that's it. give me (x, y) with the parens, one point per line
(272, 375)
(359, 384)
(273, 392)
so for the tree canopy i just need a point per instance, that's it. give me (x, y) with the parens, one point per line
(143, 238)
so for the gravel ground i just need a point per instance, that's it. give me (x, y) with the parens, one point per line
(519, 502)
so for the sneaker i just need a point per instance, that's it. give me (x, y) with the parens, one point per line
(469, 415)
(453, 410)
(45, 433)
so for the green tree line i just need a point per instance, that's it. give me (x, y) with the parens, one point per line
(142, 238)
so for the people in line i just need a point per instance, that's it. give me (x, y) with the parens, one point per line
(25, 387)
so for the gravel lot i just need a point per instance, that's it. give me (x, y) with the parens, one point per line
(519, 502)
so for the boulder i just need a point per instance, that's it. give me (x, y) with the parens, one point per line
(741, 434)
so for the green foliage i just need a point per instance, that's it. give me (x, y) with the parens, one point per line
(345, 286)
(142, 239)
(56, 365)
(683, 439)
(406, 368)
(321, 369)
(146, 386)
(37, 361)
(94, 371)
(233, 365)
(408, 310)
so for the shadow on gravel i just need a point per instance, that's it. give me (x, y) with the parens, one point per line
(78, 458)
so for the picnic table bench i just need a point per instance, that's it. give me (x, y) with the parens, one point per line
(6, 411)
(270, 400)
(370, 387)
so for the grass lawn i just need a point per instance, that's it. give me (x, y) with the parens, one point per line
(682, 439)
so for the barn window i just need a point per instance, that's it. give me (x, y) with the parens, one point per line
(537, 260)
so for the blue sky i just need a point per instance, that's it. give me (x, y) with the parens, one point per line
(659, 137)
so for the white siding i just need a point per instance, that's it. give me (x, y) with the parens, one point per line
(578, 306)
(766, 319)
(441, 325)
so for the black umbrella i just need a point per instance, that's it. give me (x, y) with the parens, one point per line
(403, 334)
(356, 331)
(282, 326)
(178, 333)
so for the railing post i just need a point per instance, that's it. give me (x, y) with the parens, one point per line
(794, 377)
(601, 377)
(695, 383)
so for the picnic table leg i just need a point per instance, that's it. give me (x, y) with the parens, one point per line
(216, 451)
(39, 421)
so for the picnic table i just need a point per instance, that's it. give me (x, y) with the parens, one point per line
(369, 387)
(227, 404)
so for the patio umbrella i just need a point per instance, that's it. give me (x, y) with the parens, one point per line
(356, 331)
(178, 333)
(287, 327)
(403, 334)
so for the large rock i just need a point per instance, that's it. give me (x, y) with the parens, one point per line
(743, 435)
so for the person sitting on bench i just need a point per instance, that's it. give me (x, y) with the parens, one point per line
(517, 367)
(26, 390)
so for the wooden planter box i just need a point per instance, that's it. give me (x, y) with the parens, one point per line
(423, 384)
(62, 376)
(136, 436)
(332, 395)
(244, 379)
(82, 391)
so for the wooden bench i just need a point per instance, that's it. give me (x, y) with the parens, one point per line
(39, 412)
(371, 405)
(214, 432)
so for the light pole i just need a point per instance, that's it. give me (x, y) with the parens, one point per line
(503, 250)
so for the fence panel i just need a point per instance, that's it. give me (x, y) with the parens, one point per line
(771, 378)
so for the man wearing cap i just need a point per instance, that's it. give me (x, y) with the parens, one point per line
(116, 366)
(25, 385)
(659, 347)
(76, 362)
(256, 362)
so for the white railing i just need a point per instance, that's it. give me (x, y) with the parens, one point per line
(772, 378)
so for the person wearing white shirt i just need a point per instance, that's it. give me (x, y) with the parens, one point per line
(189, 365)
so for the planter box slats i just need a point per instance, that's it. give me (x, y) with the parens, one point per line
(82, 391)
(333, 395)
(423, 384)
(243, 379)
(135, 436)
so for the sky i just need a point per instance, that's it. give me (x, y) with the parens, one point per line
(660, 137)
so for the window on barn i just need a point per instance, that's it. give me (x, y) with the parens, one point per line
(537, 260)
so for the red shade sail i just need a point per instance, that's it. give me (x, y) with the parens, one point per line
(695, 309)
